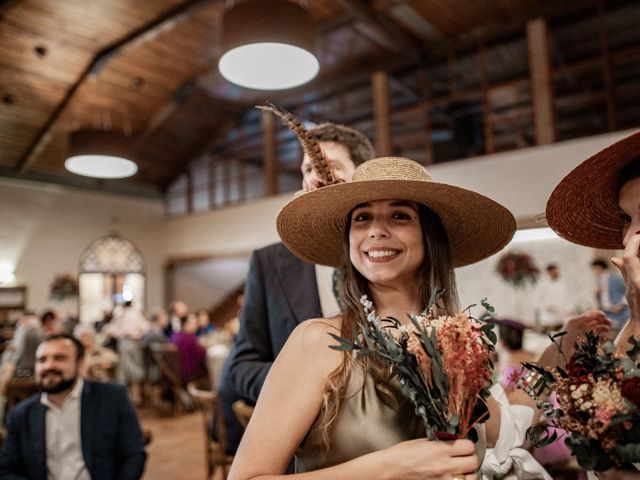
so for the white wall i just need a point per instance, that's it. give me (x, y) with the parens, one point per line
(44, 229)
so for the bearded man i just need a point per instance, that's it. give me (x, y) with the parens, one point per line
(73, 429)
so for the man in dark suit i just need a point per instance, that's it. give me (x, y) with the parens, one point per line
(281, 291)
(74, 429)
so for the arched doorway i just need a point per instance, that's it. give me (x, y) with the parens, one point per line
(112, 271)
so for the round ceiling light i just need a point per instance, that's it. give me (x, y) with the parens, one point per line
(100, 154)
(101, 166)
(268, 66)
(268, 45)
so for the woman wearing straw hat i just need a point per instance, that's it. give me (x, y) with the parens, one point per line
(598, 205)
(397, 235)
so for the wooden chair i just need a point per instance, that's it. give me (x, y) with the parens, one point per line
(208, 402)
(243, 412)
(18, 389)
(165, 355)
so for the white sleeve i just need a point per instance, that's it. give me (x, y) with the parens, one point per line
(508, 459)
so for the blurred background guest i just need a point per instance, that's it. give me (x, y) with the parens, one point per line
(128, 327)
(552, 301)
(100, 362)
(205, 326)
(190, 352)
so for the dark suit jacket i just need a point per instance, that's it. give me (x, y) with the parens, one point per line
(112, 444)
(281, 291)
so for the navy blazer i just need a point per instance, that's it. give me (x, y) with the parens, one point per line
(281, 291)
(112, 444)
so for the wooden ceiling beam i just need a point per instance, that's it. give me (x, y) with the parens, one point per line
(167, 20)
(382, 30)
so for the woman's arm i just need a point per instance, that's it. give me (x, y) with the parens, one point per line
(289, 404)
(593, 320)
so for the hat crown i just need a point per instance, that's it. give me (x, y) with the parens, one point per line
(391, 168)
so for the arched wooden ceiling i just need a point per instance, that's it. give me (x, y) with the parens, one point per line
(150, 69)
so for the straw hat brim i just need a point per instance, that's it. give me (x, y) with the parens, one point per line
(583, 208)
(313, 224)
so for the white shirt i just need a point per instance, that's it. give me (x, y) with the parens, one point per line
(64, 445)
(328, 302)
(553, 302)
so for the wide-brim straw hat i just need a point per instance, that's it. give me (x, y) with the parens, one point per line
(312, 225)
(583, 208)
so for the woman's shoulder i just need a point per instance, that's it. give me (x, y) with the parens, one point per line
(318, 328)
(313, 339)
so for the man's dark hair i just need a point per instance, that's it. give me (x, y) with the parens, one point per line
(359, 146)
(600, 263)
(47, 316)
(551, 266)
(66, 336)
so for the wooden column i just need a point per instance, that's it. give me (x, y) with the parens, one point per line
(542, 97)
(226, 176)
(190, 190)
(211, 186)
(609, 87)
(487, 121)
(269, 153)
(381, 116)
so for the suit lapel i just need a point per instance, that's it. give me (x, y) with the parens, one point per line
(87, 419)
(300, 289)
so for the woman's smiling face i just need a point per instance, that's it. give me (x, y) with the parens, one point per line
(385, 241)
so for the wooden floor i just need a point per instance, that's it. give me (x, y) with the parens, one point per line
(176, 451)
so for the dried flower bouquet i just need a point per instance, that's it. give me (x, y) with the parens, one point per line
(443, 364)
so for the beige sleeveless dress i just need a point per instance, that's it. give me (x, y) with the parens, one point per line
(370, 419)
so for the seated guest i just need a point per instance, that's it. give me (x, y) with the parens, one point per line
(158, 322)
(18, 360)
(74, 429)
(50, 322)
(190, 352)
(100, 362)
(205, 326)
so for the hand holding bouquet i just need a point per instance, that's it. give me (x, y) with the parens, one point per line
(443, 364)
(599, 403)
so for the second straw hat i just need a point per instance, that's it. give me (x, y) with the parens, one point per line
(583, 208)
(312, 225)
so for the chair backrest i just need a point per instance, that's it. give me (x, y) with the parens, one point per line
(165, 355)
(243, 412)
(18, 389)
(209, 404)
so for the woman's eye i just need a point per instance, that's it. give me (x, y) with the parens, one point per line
(625, 218)
(361, 217)
(401, 216)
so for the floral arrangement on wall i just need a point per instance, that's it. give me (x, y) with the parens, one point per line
(63, 286)
(518, 269)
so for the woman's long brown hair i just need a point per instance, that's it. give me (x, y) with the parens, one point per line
(436, 272)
